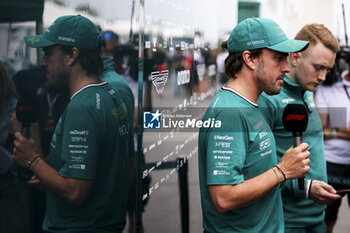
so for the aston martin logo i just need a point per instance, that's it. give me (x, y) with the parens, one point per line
(33, 40)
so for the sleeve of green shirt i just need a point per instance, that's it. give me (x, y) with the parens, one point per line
(226, 149)
(80, 143)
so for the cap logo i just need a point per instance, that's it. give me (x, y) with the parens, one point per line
(277, 27)
(249, 43)
(33, 40)
(294, 44)
(66, 39)
(48, 29)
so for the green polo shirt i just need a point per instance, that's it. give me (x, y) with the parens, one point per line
(118, 83)
(243, 148)
(299, 212)
(90, 142)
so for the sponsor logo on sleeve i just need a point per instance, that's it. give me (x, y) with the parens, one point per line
(265, 153)
(221, 164)
(225, 137)
(262, 134)
(264, 144)
(288, 100)
(223, 144)
(221, 173)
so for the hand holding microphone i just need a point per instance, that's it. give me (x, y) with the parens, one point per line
(295, 119)
(27, 112)
(295, 161)
(25, 152)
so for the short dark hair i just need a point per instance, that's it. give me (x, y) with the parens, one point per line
(89, 59)
(234, 61)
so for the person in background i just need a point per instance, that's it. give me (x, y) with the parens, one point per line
(238, 170)
(304, 209)
(118, 82)
(112, 40)
(333, 104)
(12, 197)
(86, 176)
(8, 101)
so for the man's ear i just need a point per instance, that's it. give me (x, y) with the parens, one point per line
(73, 56)
(294, 58)
(250, 61)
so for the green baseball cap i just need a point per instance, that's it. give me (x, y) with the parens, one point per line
(257, 33)
(72, 30)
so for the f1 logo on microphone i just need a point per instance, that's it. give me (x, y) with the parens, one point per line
(151, 120)
(294, 117)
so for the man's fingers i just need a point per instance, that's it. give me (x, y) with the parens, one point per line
(329, 188)
(16, 144)
(306, 154)
(302, 147)
(307, 168)
(34, 182)
(19, 136)
(328, 192)
(307, 161)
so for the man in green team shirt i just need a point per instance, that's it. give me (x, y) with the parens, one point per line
(304, 209)
(86, 176)
(238, 169)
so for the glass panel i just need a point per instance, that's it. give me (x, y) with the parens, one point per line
(179, 76)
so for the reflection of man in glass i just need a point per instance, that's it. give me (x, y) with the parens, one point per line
(86, 176)
(238, 170)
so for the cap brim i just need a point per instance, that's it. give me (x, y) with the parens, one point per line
(37, 41)
(290, 46)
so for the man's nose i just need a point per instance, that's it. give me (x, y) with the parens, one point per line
(286, 66)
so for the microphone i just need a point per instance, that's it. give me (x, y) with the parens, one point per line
(27, 112)
(295, 119)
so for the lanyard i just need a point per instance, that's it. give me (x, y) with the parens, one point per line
(50, 103)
